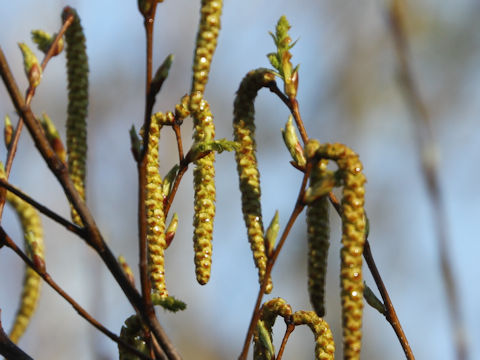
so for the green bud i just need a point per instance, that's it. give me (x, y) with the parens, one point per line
(271, 235)
(44, 41)
(320, 188)
(161, 75)
(8, 131)
(168, 302)
(135, 142)
(53, 137)
(171, 229)
(169, 179)
(32, 67)
(293, 144)
(127, 270)
(373, 300)
(266, 340)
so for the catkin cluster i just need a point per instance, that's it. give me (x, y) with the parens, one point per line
(154, 207)
(247, 167)
(324, 344)
(270, 310)
(206, 43)
(318, 232)
(353, 240)
(77, 77)
(33, 235)
(204, 186)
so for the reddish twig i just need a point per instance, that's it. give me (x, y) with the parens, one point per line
(288, 331)
(41, 271)
(427, 145)
(299, 205)
(9, 349)
(43, 209)
(12, 148)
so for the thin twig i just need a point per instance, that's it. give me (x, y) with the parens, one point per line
(94, 238)
(299, 205)
(288, 331)
(8, 348)
(43, 209)
(426, 146)
(41, 271)
(12, 148)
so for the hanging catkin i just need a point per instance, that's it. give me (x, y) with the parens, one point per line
(77, 77)
(247, 167)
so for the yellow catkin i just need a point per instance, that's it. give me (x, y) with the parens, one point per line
(324, 344)
(77, 76)
(154, 207)
(32, 228)
(132, 333)
(318, 232)
(247, 167)
(204, 186)
(353, 240)
(208, 30)
(270, 310)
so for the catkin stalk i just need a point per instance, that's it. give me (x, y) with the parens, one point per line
(247, 167)
(77, 77)
(204, 187)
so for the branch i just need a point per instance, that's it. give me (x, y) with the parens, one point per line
(427, 146)
(8, 348)
(39, 268)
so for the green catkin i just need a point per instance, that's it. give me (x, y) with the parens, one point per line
(132, 333)
(318, 232)
(324, 344)
(204, 186)
(353, 240)
(208, 30)
(247, 167)
(33, 235)
(270, 310)
(77, 76)
(156, 242)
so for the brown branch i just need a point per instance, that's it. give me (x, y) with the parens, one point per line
(299, 205)
(39, 268)
(8, 348)
(288, 331)
(60, 171)
(12, 148)
(426, 145)
(43, 209)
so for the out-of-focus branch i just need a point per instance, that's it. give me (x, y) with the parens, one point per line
(427, 149)
(8, 348)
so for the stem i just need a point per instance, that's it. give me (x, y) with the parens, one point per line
(9, 349)
(288, 331)
(93, 236)
(271, 262)
(43, 209)
(12, 149)
(40, 270)
(426, 144)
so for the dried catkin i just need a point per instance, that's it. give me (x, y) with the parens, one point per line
(77, 77)
(208, 30)
(353, 239)
(318, 232)
(204, 187)
(247, 167)
(33, 235)
(154, 207)
(270, 310)
(324, 344)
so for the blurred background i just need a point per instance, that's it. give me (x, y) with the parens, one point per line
(348, 93)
